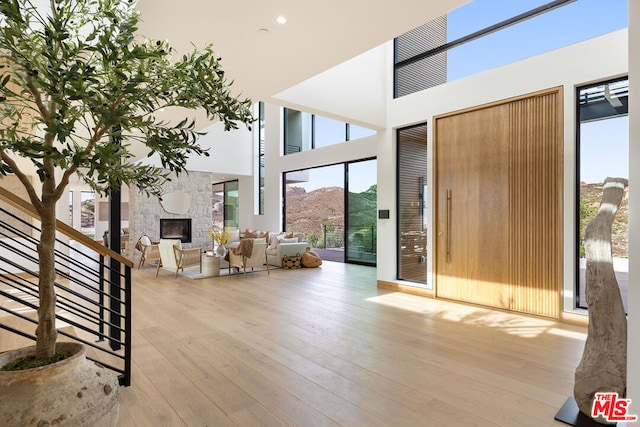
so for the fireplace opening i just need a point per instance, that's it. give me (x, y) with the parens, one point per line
(176, 228)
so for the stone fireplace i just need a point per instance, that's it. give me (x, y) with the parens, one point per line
(176, 228)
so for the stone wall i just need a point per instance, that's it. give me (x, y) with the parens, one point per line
(145, 212)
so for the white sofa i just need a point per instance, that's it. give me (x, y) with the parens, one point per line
(278, 246)
(275, 254)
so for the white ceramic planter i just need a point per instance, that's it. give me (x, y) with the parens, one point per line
(72, 392)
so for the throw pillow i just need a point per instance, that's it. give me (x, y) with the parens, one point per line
(273, 240)
(292, 240)
(235, 236)
(250, 235)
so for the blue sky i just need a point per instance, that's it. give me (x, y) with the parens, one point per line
(577, 21)
(603, 143)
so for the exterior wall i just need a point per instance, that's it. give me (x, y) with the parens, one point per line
(540, 72)
(145, 212)
(633, 352)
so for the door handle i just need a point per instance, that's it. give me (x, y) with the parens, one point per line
(448, 227)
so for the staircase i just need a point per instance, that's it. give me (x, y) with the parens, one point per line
(93, 288)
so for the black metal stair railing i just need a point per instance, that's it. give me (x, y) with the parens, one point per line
(89, 308)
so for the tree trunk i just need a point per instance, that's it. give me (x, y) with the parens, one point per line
(603, 367)
(46, 331)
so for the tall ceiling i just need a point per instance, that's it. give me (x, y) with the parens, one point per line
(264, 57)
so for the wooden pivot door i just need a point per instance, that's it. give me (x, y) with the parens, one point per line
(472, 191)
(498, 204)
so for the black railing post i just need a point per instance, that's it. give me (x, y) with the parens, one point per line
(115, 276)
(324, 233)
(115, 286)
(127, 326)
(101, 298)
(373, 230)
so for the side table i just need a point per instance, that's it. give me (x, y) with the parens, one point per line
(210, 264)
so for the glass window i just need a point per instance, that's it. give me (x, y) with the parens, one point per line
(304, 131)
(564, 26)
(479, 14)
(603, 147)
(88, 213)
(412, 203)
(314, 205)
(224, 212)
(503, 37)
(328, 132)
(356, 132)
(298, 131)
(362, 221)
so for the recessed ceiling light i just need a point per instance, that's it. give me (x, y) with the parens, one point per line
(281, 20)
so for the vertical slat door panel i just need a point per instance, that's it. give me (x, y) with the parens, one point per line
(536, 205)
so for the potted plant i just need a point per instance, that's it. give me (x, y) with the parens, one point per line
(78, 86)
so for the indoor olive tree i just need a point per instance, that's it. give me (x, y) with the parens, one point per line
(78, 85)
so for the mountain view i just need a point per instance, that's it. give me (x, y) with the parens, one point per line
(323, 209)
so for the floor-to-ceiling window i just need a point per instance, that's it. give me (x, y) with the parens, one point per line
(412, 203)
(335, 206)
(314, 205)
(603, 151)
(362, 197)
(224, 210)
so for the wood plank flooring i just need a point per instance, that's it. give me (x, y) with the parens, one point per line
(325, 347)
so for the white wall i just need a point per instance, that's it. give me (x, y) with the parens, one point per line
(568, 67)
(633, 353)
(352, 91)
(229, 152)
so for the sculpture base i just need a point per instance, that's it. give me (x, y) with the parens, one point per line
(570, 414)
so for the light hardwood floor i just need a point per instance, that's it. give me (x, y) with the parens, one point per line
(325, 347)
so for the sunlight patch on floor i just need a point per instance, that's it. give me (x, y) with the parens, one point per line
(510, 323)
(569, 334)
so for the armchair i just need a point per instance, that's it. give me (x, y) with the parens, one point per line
(257, 257)
(172, 255)
(148, 251)
(187, 258)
